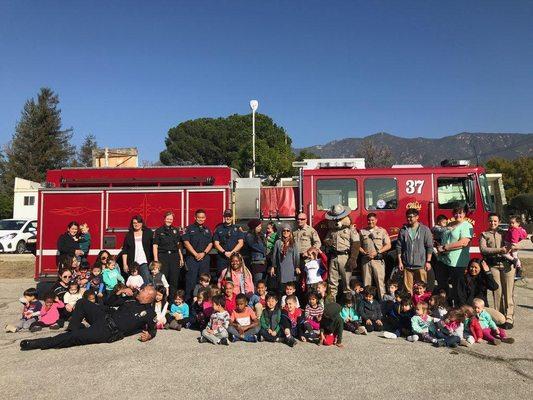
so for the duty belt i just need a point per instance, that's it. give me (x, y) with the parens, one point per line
(338, 253)
(116, 334)
(170, 251)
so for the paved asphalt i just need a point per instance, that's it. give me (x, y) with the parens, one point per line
(174, 365)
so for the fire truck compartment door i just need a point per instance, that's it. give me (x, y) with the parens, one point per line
(151, 205)
(213, 201)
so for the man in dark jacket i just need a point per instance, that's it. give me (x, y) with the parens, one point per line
(415, 247)
(107, 325)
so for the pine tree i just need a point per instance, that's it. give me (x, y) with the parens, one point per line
(85, 154)
(39, 143)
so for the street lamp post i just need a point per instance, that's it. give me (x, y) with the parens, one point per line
(253, 105)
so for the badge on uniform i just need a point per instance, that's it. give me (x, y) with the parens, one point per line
(142, 313)
(175, 231)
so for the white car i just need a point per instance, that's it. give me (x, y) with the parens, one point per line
(14, 234)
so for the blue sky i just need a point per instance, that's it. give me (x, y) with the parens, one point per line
(127, 71)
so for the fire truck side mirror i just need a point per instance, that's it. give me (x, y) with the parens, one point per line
(470, 193)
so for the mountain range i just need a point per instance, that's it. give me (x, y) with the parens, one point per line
(465, 145)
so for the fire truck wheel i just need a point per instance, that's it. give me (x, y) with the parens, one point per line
(21, 247)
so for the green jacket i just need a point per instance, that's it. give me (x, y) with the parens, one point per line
(271, 319)
(420, 326)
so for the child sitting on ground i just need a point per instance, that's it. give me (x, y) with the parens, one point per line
(356, 289)
(179, 312)
(331, 326)
(370, 310)
(350, 317)
(161, 308)
(202, 285)
(291, 320)
(422, 324)
(49, 314)
(216, 331)
(472, 331)
(389, 298)
(96, 284)
(438, 306)
(197, 317)
(399, 318)
(313, 315)
(84, 274)
(324, 292)
(244, 324)
(420, 293)
(135, 281)
(290, 290)
(72, 296)
(449, 331)
(111, 276)
(258, 300)
(491, 332)
(270, 328)
(230, 296)
(30, 311)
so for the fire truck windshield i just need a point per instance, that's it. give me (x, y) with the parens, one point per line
(488, 202)
(455, 190)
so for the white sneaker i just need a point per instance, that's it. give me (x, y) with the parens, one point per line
(413, 338)
(10, 328)
(389, 335)
(362, 330)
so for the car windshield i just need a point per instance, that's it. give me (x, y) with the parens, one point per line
(11, 225)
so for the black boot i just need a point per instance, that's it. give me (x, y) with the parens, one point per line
(29, 344)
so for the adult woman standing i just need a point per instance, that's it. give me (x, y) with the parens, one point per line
(256, 246)
(455, 251)
(68, 244)
(477, 280)
(491, 245)
(137, 247)
(285, 259)
(239, 275)
(167, 250)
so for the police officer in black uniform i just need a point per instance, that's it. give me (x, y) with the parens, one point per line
(167, 250)
(197, 240)
(107, 325)
(228, 239)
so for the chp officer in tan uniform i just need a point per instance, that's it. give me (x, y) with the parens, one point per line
(374, 243)
(306, 236)
(342, 245)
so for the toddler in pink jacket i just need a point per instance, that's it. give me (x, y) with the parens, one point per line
(49, 314)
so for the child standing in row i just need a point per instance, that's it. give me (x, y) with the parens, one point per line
(216, 331)
(30, 311)
(157, 278)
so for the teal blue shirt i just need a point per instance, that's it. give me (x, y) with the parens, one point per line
(349, 313)
(459, 257)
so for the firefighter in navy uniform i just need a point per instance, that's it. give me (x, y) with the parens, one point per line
(167, 250)
(197, 240)
(228, 239)
(133, 315)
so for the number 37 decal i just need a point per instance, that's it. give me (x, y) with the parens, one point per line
(412, 186)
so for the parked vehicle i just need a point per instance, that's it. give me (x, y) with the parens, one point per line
(14, 234)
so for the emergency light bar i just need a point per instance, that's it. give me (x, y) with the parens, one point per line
(455, 163)
(319, 163)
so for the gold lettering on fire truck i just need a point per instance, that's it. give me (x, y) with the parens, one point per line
(414, 204)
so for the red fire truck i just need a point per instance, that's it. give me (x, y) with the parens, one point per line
(107, 198)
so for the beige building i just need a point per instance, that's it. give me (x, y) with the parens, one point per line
(121, 157)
